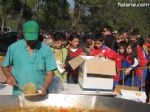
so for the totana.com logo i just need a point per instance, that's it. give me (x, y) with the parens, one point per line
(133, 4)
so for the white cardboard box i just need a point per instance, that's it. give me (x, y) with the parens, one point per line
(94, 74)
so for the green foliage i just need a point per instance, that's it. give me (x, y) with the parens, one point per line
(54, 14)
(31, 3)
(108, 11)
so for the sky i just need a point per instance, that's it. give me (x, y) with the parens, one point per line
(71, 2)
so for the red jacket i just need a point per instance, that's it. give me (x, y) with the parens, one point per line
(129, 59)
(141, 56)
(119, 66)
(142, 61)
(105, 51)
(95, 51)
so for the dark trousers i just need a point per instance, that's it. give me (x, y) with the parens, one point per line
(72, 79)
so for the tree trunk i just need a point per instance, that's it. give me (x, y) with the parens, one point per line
(3, 24)
(76, 14)
(4, 16)
(20, 22)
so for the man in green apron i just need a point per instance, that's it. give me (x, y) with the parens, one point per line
(31, 61)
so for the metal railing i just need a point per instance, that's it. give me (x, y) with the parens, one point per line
(133, 74)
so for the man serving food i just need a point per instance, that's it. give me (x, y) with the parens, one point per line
(32, 61)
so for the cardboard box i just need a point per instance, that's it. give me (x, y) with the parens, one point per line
(118, 88)
(94, 74)
(138, 96)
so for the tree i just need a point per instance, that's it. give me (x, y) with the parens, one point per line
(13, 13)
(108, 11)
(54, 15)
(76, 14)
(87, 14)
(6, 6)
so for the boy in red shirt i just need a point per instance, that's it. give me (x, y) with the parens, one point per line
(73, 51)
(102, 50)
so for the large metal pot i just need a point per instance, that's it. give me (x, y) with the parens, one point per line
(77, 101)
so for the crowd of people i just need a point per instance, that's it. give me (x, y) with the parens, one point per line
(128, 49)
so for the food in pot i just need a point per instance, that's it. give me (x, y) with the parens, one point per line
(55, 109)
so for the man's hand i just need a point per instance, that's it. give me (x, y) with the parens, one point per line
(48, 80)
(9, 77)
(128, 70)
(42, 92)
(11, 80)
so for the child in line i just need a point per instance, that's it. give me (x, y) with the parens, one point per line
(121, 57)
(143, 60)
(100, 49)
(60, 54)
(143, 56)
(131, 62)
(136, 58)
(119, 38)
(97, 48)
(89, 44)
(73, 51)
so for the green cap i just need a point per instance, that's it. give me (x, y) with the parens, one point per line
(31, 30)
